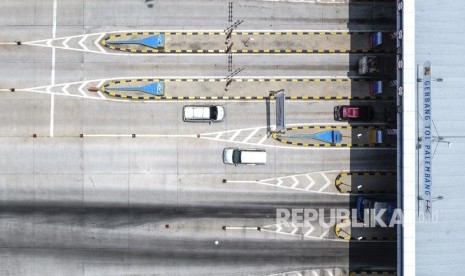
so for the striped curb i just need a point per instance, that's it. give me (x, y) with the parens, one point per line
(349, 238)
(107, 89)
(338, 183)
(328, 145)
(149, 50)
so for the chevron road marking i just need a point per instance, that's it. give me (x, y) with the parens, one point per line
(312, 182)
(328, 182)
(81, 42)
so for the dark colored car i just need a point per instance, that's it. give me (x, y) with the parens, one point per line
(354, 113)
(150, 3)
(368, 208)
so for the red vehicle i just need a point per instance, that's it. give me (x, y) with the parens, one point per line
(354, 113)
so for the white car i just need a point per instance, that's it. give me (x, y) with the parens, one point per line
(203, 113)
(236, 156)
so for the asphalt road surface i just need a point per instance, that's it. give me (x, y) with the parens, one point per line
(156, 205)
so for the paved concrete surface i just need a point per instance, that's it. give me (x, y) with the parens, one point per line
(107, 205)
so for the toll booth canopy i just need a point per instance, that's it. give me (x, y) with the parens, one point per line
(280, 98)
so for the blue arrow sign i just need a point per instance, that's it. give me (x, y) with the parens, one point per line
(330, 136)
(156, 88)
(153, 41)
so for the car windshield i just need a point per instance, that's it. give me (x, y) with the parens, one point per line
(213, 113)
(236, 157)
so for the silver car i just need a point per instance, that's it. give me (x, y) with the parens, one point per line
(203, 113)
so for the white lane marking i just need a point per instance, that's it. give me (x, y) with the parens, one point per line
(54, 28)
(240, 228)
(315, 273)
(295, 230)
(325, 233)
(97, 43)
(329, 272)
(81, 89)
(103, 51)
(65, 42)
(234, 135)
(312, 182)
(52, 113)
(107, 135)
(143, 135)
(61, 94)
(211, 77)
(328, 182)
(296, 182)
(65, 89)
(168, 135)
(47, 91)
(53, 67)
(219, 135)
(100, 83)
(289, 273)
(280, 181)
(285, 187)
(309, 231)
(234, 130)
(81, 43)
(305, 174)
(251, 135)
(52, 96)
(77, 49)
(101, 95)
(262, 140)
(309, 237)
(298, 148)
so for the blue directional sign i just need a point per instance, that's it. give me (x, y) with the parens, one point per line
(153, 41)
(156, 88)
(330, 136)
(376, 136)
(376, 39)
(376, 87)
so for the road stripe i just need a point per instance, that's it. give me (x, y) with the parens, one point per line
(234, 135)
(52, 81)
(250, 135)
(262, 139)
